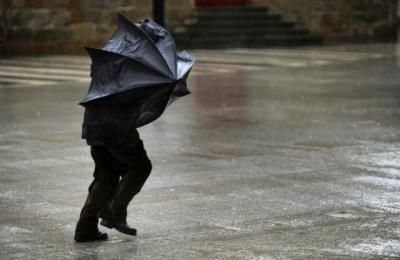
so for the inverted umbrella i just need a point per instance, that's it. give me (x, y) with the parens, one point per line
(138, 67)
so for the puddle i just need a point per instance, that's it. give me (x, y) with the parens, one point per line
(379, 247)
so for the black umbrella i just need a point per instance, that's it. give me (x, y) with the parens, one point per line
(138, 67)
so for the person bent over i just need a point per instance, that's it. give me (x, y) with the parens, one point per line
(121, 169)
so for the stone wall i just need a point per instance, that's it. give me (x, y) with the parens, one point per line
(64, 26)
(177, 11)
(340, 20)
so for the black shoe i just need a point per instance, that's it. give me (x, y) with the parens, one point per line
(122, 227)
(89, 237)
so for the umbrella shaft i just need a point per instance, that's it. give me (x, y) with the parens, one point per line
(158, 12)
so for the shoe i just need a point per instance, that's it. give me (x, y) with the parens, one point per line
(122, 227)
(89, 237)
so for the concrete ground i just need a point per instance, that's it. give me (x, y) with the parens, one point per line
(277, 154)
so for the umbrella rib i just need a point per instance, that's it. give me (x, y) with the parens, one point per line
(149, 40)
(136, 60)
(174, 48)
(86, 99)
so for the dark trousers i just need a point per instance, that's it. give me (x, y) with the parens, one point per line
(118, 176)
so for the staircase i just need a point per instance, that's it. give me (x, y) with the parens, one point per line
(239, 27)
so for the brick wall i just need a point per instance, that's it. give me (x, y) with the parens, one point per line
(340, 20)
(64, 26)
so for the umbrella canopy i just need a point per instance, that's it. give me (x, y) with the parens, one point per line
(138, 66)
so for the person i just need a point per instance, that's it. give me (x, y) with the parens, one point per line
(121, 168)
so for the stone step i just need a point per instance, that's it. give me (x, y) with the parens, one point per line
(236, 17)
(239, 24)
(239, 28)
(249, 42)
(232, 9)
(241, 37)
(227, 32)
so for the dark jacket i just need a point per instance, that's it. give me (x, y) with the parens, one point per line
(110, 125)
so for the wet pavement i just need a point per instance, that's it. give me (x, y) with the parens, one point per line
(277, 154)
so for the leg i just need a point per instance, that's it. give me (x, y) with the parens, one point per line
(101, 192)
(139, 168)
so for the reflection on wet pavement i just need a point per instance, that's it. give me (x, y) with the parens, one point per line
(280, 154)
